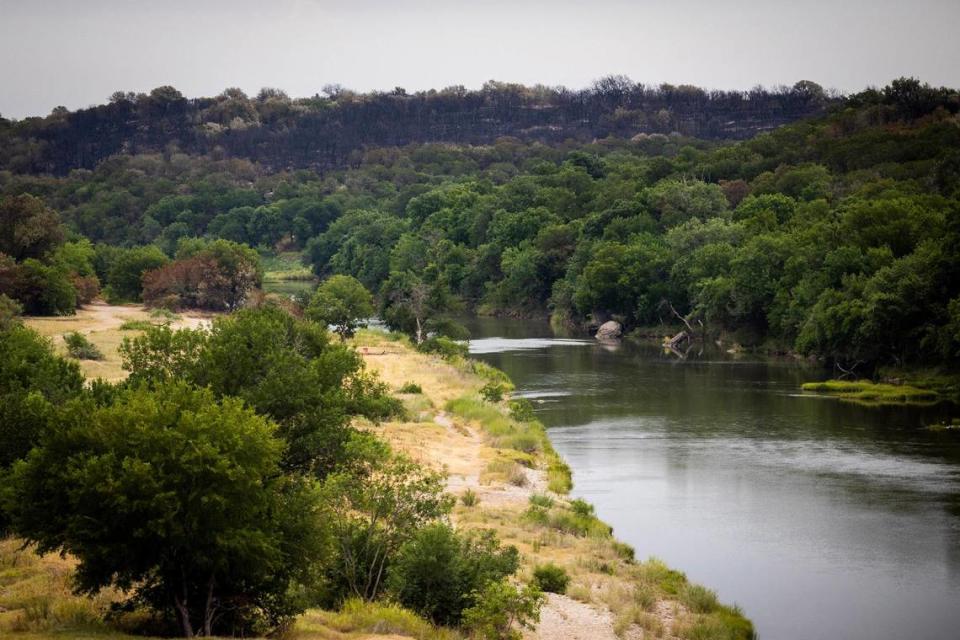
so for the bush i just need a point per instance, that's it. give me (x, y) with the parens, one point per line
(444, 347)
(439, 573)
(469, 498)
(501, 606)
(541, 500)
(581, 507)
(410, 387)
(521, 410)
(10, 311)
(79, 347)
(493, 391)
(41, 289)
(624, 551)
(551, 578)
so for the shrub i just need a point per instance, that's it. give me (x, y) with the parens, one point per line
(439, 573)
(81, 348)
(410, 387)
(444, 347)
(493, 391)
(541, 500)
(521, 410)
(501, 606)
(559, 476)
(469, 498)
(43, 290)
(624, 551)
(581, 507)
(10, 311)
(551, 578)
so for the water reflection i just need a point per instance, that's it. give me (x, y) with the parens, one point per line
(822, 519)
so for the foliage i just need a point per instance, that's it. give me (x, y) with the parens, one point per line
(124, 270)
(177, 497)
(80, 347)
(216, 275)
(31, 229)
(39, 288)
(33, 381)
(834, 237)
(285, 368)
(551, 578)
(500, 608)
(10, 311)
(410, 387)
(444, 347)
(372, 510)
(439, 573)
(342, 302)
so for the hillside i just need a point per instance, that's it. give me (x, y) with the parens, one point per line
(323, 132)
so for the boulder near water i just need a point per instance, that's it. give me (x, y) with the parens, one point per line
(610, 330)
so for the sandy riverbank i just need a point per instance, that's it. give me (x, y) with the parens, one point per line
(610, 595)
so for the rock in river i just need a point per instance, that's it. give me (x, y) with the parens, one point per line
(610, 330)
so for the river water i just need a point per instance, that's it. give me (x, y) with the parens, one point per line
(821, 519)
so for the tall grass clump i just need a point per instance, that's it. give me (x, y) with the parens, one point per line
(383, 618)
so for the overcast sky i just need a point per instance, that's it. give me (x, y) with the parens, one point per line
(77, 52)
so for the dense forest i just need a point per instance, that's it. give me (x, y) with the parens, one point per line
(835, 236)
(323, 132)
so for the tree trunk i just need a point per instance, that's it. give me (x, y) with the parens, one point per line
(184, 615)
(208, 609)
(419, 331)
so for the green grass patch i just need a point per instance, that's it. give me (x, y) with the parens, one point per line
(137, 325)
(867, 392)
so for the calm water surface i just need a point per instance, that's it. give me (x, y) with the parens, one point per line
(820, 519)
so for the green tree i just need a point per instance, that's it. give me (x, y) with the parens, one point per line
(341, 301)
(125, 274)
(30, 228)
(175, 497)
(373, 510)
(439, 573)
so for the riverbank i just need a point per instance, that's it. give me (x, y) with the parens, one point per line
(507, 477)
(501, 466)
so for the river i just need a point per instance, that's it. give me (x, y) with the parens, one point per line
(820, 519)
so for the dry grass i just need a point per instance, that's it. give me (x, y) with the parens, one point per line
(36, 597)
(101, 324)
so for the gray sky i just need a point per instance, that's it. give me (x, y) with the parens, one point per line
(76, 53)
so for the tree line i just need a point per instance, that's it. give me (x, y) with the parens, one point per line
(833, 237)
(323, 132)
